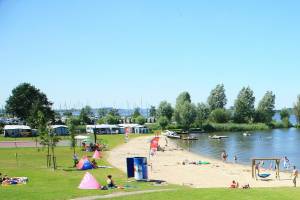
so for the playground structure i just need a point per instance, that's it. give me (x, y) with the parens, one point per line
(254, 170)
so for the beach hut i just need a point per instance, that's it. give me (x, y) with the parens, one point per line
(88, 182)
(17, 131)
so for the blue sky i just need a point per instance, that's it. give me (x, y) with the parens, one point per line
(128, 53)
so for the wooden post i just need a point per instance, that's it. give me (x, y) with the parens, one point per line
(278, 165)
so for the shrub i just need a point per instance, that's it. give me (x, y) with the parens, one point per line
(219, 116)
(239, 127)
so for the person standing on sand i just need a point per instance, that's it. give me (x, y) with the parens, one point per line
(235, 159)
(257, 168)
(295, 176)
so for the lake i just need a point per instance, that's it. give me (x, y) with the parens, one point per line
(273, 143)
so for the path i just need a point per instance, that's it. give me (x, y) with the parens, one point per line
(13, 144)
(120, 194)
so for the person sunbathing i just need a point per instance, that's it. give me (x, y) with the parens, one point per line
(234, 184)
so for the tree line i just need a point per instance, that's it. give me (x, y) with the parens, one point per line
(31, 105)
(186, 114)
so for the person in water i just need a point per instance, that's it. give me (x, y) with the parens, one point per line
(235, 159)
(286, 162)
(224, 156)
(295, 176)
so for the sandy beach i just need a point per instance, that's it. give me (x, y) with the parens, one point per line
(168, 166)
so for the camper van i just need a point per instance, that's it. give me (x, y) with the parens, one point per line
(17, 131)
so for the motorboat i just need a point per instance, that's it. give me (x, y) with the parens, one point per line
(218, 137)
(246, 134)
(190, 138)
(172, 134)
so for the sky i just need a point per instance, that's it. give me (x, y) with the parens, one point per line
(130, 54)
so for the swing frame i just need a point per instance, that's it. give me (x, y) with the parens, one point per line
(277, 164)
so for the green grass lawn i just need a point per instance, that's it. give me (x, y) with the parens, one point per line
(62, 183)
(224, 194)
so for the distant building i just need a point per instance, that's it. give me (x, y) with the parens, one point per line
(17, 131)
(59, 130)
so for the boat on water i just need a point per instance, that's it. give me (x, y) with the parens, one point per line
(190, 138)
(218, 137)
(172, 134)
(246, 134)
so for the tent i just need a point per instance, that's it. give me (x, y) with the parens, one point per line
(88, 182)
(84, 164)
(97, 155)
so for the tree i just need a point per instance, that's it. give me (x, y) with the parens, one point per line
(217, 98)
(112, 119)
(284, 114)
(114, 112)
(266, 108)
(182, 98)
(297, 109)
(185, 112)
(163, 122)
(165, 110)
(202, 113)
(36, 110)
(136, 113)
(26, 100)
(67, 113)
(47, 138)
(140, 120)
(102, 112)
(219, 115)
(152, 111)
(244, 106)
(71, 122)
(85, 115)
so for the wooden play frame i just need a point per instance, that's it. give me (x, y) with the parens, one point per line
(277, 164)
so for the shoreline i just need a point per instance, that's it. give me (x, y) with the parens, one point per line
(168, 166)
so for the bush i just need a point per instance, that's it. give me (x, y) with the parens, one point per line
(239, 127)
(153, 127)
(163, 122)
(140, 120)
(207, 127)
(219, 116)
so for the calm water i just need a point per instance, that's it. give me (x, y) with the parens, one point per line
(274, 143)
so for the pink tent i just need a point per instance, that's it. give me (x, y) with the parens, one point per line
(89, 182)
(96, 155)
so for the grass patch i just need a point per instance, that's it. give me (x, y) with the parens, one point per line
(224, 194)
(62, 184)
